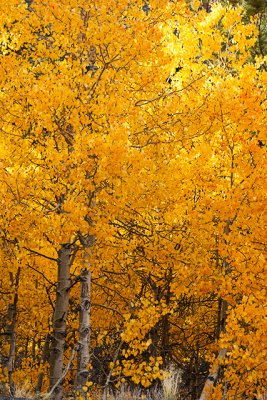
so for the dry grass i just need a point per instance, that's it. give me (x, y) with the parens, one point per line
(24, 391)
(171, 384)
(169, 389)
(125, 393)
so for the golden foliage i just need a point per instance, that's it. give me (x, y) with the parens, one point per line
(146, 131)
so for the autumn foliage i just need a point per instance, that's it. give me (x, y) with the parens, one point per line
(133, 145)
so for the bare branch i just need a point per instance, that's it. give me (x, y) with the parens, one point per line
(40, 254)
(41, 273)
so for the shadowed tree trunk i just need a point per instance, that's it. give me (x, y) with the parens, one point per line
(222, 314)
(11, 333)
(221, 326)
(45, 358)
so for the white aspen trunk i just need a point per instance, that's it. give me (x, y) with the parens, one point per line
(83, 356)
(59, 322)
(213, 376)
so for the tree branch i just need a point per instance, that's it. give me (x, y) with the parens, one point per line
(40, 254)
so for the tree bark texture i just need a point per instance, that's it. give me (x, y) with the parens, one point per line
(59, 321)
(83, 356)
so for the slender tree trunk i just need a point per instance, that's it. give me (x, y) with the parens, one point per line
(165, 341)
(213, 376)
(221, 326)
(83, 356)
(59, 322)
(11, 331)
(45, 357)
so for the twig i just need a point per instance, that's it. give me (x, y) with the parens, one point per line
(107, 308)
(163, 95)
(42, 274)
